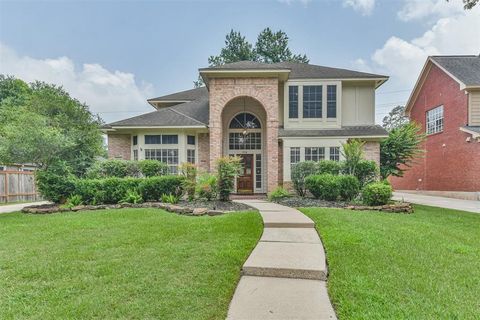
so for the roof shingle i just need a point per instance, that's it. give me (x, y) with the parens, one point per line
(464, 68)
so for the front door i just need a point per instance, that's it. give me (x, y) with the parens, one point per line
(245, 179)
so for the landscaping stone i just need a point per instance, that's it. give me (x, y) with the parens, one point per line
(214, 212)
(199, 211)
(395, 207)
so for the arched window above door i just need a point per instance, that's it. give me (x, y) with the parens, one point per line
(245, 120)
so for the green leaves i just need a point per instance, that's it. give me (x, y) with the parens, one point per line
(399, 150)
(395, 118)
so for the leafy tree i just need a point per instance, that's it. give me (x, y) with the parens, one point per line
(40, 123)
(352, 151)
(469, 4)
(272, 47)
(398, 151)
(228, 168)
(395, 118)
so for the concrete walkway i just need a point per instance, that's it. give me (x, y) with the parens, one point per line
(442, 202)
(285, 275)
(19, 206)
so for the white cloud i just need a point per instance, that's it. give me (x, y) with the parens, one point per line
(289, 2)
(402, 59)
(113, 94)
(365, 7)
(420, 9)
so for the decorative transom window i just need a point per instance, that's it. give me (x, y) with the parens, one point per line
(293, 102)
(294, 156)
(245, 121)
(312, 101)
(314, 153)
(249, 141)
(161, 139)
(335, 153)
(435, 120)
(169, 156)
(191, 140)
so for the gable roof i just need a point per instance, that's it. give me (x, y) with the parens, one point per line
(187, 95)
(297, 70)
(463, 69)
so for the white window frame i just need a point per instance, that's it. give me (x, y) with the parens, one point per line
(435, 120)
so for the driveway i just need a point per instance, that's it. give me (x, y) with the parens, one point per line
(19, 206)
(442, 202)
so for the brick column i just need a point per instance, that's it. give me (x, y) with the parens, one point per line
(119, 146)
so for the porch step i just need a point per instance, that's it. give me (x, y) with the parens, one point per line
(287, 260)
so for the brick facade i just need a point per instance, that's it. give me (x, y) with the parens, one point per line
(371, 150)
(265, 91)
(203, 151)
(450, 163)
(119, 146)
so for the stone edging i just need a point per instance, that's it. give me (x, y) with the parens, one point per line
(47, 209)
(396, 207)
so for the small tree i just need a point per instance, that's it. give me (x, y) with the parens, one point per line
(398, 151)
(228, 169)
(189, 171)
(300, 172)
(353, 153)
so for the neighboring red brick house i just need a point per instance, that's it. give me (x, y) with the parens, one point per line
(271, 115)
(446, 103)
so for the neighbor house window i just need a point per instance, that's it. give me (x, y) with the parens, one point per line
(135, 155)
(293, 102)
(312, 101)
(191, 140)
(135, 140)
(435, 120)
(294, 156)
(331, 101)
(314, 154)
(169, 156)
(191, 155)
(161, 139)
(335, 153)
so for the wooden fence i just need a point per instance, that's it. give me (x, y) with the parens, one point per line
(17, 186)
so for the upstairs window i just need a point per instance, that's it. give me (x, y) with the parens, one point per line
(153, 139)
(331, 101)
(312, 101)
(169, 139)
(135, 140)
(191, 140)
(293, 102)
(435, 120)
(161, 139)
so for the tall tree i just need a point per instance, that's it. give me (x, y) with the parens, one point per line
(399, 150)
(469, 4)
(43, 124)
(395, 118)
(271, 47)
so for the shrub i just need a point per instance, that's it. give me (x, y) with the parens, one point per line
(300, 172)
(377, 194)
(367, 171)
(349, 187)
(329, 166)
(55, 183)
(278, 193)
(189, 172)
(90, 190)
(228, 169)
(353, 153)
(207, 186)
(114, 168)
(153, 188)
(114, 189)
(73, 201)
(324, 186)
(152, 168)
(132, 196)
(170, 198)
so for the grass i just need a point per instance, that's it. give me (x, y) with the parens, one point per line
(396, 266)
(127, 263)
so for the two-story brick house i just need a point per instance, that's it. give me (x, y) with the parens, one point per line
(271, 115)
(446, 103)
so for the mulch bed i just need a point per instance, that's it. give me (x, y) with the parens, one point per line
(193, 208)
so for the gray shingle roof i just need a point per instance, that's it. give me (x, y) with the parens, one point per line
(347, 131)
(193, 113)
(297, 70)
(464, 68)
(186, 95)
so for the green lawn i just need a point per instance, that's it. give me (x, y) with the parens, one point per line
(129, 263)
(396, 266)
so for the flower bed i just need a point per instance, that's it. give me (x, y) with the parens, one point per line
(193, 208)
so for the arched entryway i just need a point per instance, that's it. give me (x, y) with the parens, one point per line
(244, 136)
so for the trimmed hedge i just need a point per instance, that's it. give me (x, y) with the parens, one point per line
(113, 190)
(332, 187)
(126, 168)
(349, 187)
(329, 166)
(377, 193)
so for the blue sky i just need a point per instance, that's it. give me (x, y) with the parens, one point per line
(113, 55)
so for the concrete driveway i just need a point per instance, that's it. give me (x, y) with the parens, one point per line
(442, 202)
(19, 206)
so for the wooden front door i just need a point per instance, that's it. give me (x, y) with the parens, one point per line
(245, 179)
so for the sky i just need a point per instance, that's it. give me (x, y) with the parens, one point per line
(113, 55)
